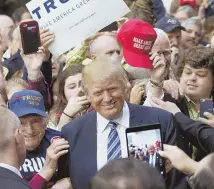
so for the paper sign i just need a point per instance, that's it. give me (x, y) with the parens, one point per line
(73, 21)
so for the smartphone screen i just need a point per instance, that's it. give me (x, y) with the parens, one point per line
(30, 37)
(206, 105)
(144, 143)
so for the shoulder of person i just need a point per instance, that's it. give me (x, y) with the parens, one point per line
(138, 109)
(16, 58)
(79, 122)
(52, 134)
(10, 180)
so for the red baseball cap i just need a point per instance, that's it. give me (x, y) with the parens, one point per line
(137, 38)
(189, 2)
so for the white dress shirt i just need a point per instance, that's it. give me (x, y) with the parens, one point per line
(13, 169)
(152, 160)
(103, 131)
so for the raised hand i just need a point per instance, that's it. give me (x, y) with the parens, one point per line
(179, 159)
(47, 38)
(159, 70)
(136, 93)
(76, 103)
(58, 148)
(33, 63)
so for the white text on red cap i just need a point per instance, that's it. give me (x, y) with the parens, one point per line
(141, 44)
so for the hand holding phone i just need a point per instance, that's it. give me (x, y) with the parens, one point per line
(206, 105)
(30, 36)
(148, 136)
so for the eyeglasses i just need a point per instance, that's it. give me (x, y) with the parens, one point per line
(166, 52)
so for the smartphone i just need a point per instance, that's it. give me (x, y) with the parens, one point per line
(206, 105)
(148, 140)
(30, 36)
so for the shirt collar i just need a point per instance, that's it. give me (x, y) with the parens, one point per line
(122, 119)
(188, 99)
(11, 168)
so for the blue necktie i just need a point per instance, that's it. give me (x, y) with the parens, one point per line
(114, 147)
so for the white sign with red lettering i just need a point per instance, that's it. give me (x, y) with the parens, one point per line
(73, 21)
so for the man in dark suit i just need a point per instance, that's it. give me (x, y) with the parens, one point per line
(12, 151)
(99, 136)
(153, 158)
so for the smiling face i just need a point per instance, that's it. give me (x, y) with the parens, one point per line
(191, 37)
(196, 83)
(107, 97)
(33, 129)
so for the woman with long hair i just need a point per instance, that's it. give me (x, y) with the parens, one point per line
(70, 99)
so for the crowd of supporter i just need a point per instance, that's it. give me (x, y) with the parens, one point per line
(63, 119)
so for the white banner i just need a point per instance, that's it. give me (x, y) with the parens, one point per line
(73, 21)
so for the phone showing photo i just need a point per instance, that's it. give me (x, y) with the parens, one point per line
(30, 36)
(143, 144)
(206, 105)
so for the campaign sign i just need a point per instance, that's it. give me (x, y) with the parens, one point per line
(73, 21)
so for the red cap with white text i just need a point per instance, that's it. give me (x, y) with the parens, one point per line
(137, 38)
(192, 3)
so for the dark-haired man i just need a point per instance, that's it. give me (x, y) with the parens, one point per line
(196, 80)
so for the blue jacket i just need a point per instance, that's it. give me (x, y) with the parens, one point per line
(81, 134)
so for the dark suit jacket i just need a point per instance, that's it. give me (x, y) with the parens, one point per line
(10, 180)
(82, 136)
(200, 134)
(187, 141)
(157, 160)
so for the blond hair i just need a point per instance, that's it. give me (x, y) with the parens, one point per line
(102, 69)
(15, 81)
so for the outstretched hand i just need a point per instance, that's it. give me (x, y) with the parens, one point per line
(168, 106)
(179, 159)
(209, 120)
